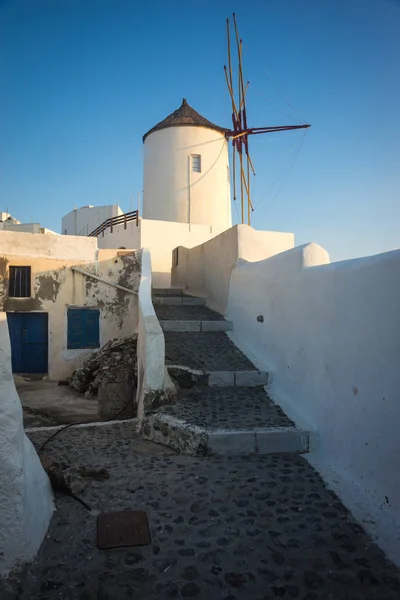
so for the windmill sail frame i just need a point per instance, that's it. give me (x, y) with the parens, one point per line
(240, 131)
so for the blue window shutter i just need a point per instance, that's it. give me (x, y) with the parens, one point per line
(83, 328)
(74, 329)
(91, 334)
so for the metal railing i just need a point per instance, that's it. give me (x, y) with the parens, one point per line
(118, 220)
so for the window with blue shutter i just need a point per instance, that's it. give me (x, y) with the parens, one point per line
(83, 329)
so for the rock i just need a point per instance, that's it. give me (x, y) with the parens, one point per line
(66, 478)
(116, 398)
(111, 373)
(186, 378)
(62, 476)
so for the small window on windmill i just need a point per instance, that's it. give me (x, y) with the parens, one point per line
(196, 163)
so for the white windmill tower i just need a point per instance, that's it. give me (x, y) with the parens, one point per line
(186, 171)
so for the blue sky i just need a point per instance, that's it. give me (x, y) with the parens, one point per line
(83, 80)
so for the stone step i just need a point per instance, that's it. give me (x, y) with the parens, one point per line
(179, 300)
(186, 313)
(188, 378)
(188, 438)
(167, 292)
(210, 353)
(224, 421)
(237, 378)
(188, 325)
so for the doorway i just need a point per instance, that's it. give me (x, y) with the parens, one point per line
(29, 342)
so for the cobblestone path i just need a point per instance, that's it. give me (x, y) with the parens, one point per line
(234, 415)
(230, 528)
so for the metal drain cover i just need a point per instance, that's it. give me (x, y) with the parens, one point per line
(122, 529)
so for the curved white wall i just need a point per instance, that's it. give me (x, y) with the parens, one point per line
(173, 192)
(26, 500)
(330, 341)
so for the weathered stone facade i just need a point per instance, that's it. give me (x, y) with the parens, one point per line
(55, 287)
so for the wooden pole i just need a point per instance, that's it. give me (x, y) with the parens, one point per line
(241, 184)
(234, 171)
(248, 191)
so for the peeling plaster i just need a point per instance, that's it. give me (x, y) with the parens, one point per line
(48, 286)
(55, 287)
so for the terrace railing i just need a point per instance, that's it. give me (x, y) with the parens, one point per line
(113, 221)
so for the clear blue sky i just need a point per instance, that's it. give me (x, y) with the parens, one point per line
(83, 80)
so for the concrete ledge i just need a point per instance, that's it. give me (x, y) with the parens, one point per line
(188, 438)
(250, 378)
(180, 325)
(237, 378)
(53, 428)
(170, 301)
(206, 326)
(231, 442)
(274, 441)
(221, 378)
(193, 301)
(178, 301)
(216, 325)
(167, 291)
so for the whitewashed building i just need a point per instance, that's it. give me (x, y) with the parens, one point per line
(9, 223)
(84, 220)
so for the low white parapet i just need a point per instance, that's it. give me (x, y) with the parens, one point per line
(154, 385)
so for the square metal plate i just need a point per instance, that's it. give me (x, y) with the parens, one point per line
(122, 529)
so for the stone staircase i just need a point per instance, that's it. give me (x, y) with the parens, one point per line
(222, 406)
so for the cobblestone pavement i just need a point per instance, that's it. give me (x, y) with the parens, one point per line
(204, 351)
(228, 408)
(231, 528)
(34, 419)
(186, 313)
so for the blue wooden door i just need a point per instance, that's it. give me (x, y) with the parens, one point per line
(29, 342)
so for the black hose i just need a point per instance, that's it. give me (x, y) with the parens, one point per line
(68, 492)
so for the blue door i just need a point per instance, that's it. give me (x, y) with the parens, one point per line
(29, 342)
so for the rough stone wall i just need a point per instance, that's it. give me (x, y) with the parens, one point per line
(55, 287)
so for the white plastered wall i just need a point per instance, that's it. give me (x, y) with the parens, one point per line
(160, 238)
(330, 341)
(21, 227)
(173, 192)
(205, 270)
(82, 221)
(120, 237)
(26, 501)
(153, 376)
(54, 246)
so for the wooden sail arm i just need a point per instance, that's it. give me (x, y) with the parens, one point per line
(255, 130)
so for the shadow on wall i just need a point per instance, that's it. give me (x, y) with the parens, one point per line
(330, 339)
(205, 270)
(56, 291)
